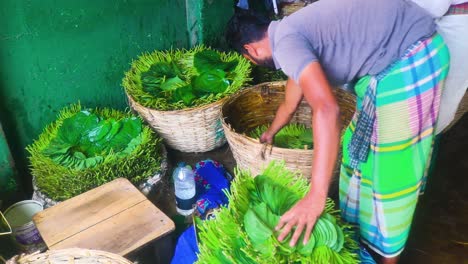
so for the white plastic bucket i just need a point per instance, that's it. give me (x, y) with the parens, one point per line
(25, 233)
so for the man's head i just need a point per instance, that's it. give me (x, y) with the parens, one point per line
(248, 34)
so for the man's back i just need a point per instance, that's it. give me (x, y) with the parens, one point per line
(350, 38)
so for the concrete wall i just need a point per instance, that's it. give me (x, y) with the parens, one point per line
(53, 53)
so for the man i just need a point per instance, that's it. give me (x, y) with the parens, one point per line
(390, 48)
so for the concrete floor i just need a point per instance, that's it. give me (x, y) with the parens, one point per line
(440, 227)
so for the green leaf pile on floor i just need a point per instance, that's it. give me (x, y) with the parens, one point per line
(86, 148)
(292, 136)
(244, 231)
(179, 79)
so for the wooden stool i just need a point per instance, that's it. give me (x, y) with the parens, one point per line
(115, 217)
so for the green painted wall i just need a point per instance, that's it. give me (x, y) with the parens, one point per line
(215, 15)
(57, 52)
(53, 53)
(8, 184)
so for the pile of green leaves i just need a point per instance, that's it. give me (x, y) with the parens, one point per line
(181, 79)
(262, 74)
(244, 231)
(292, 136)
(84, 139)
(86, 148)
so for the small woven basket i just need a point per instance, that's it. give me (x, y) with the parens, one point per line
(257, 106)
(196, 129)
(67, 256)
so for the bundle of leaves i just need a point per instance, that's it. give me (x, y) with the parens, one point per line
(86, 148)
(292, 136)
(262, 74)
(179, 79)
(244, 231)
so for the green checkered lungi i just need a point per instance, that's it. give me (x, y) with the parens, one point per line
(380, 196)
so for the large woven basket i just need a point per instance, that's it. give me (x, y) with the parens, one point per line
(196, 129)
(68, 256)
(257, 106)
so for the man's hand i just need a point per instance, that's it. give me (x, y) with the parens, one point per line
(302, 216)
(267, 137)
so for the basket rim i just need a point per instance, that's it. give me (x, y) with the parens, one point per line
(57, 253)
(229, 130)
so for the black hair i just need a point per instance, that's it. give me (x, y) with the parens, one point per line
(244, 28)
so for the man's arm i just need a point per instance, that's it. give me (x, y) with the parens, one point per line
(326, 127)
(293, 96)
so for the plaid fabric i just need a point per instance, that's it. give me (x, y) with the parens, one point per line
(380, 194)
(460, 9)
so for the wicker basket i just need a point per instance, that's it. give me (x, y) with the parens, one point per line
(257, 106)
(67, 256)
(190, 130)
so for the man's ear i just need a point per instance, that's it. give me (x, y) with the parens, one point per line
(251, 50)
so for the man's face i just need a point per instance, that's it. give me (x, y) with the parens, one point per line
(266, 61)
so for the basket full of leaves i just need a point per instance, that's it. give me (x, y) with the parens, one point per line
(180, 92)
(244, 232)
(85, 148)
(247, 114)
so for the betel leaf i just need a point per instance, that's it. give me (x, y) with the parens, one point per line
(161, 76)
(278, 198)
(184, 93)
(255, 228)
(207, 60)
(172, 84)
(213, 81)
(292, 136)
(82, 121)
(84, 139)
(266, 215)
(308, 248)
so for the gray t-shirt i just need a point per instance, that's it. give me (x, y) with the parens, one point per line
(350, 38)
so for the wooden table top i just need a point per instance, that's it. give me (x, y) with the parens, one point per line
(115, 217)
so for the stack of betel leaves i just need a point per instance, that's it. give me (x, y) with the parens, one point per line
(244, 232)
(292, 136)
(85, 148)
(179, 79)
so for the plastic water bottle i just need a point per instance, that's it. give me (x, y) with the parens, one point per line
(184, 185)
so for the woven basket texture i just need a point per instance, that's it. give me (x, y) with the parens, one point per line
(190, 130)
(257, 106)
(68, 256)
